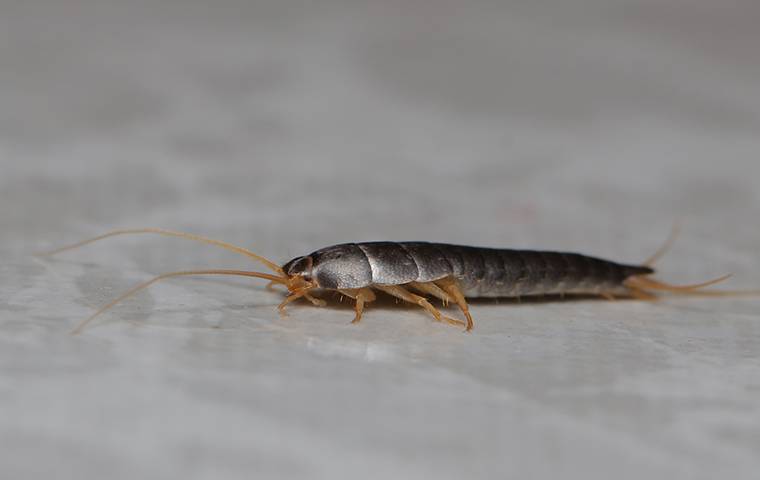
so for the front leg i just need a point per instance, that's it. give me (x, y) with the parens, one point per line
(295, 295)
(362, 296)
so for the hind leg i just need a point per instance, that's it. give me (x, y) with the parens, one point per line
(407, 296)
(431, 288)
(450, 286)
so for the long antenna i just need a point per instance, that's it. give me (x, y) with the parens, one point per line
(170, 233)
(145, 285)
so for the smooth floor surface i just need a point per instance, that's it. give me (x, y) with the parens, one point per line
(582, 125)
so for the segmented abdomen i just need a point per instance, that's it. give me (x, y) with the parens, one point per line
(489, 272)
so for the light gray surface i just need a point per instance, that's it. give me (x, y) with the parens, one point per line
(578, 125)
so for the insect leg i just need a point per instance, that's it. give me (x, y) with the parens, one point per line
(450, 286)
(295, 295)
(317, 302)
(404, 294)
(432, 289)
(362, 296)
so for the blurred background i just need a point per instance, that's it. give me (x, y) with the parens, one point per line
(285, 126)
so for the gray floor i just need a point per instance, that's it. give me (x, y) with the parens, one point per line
(588, 125)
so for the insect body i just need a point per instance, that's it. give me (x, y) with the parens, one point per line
(454, 272)
(413, 271)
(480, 272)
